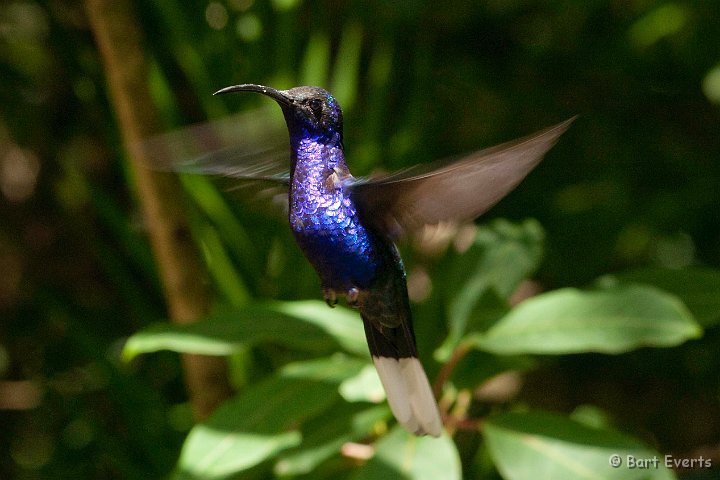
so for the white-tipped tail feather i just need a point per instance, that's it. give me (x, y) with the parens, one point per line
(409, 394)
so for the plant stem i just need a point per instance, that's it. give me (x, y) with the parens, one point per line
(159, 194)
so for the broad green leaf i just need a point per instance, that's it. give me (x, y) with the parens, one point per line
(264, 420)
(538, 446)
(343, 324)
(502, 255)
(307, 325)
(401, 455)
(614, 320)
(335, 369)
(698, 288)
(327, 434)
(344, 423)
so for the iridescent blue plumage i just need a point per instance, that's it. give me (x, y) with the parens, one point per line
(324, 218)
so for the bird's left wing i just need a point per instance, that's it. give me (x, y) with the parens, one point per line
(248, 146)
(404, 202)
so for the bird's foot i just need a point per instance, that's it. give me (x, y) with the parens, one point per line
(330, 297)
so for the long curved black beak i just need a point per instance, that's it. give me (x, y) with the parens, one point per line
(278, 95)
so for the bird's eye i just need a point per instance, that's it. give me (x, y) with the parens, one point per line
(316, 107)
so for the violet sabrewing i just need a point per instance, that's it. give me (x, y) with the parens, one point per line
(346, 228)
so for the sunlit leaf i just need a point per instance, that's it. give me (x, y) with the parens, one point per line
(402, 455)
(326, 435)
(263, 421)
(335, 369)
(544, 446)
(307, 325)
(342, 324)
(613, 320)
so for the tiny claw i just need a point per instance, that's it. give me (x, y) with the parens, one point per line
(352, 296)
(336, 179)
(330, 297)
(332, 182)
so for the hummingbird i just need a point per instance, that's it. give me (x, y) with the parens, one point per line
(347, 227)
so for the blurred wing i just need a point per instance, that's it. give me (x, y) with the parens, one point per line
(236, 162)
(249, 146)
(462, 190)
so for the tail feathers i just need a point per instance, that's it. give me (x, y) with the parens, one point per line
(409, 394)
(402, 375)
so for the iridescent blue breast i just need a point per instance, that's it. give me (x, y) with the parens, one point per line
(325, 221)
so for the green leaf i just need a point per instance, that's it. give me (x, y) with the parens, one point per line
(614, 320)
(335, 369)
(343, 324)
(307, 325)
(264, 420)
(502, 255)
(326, 435)
(405, 456)
(538, 445)
(698, 288)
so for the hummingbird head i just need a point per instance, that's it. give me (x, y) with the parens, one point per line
(308, 110)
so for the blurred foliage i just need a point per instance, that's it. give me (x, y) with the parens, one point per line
(625, 231)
